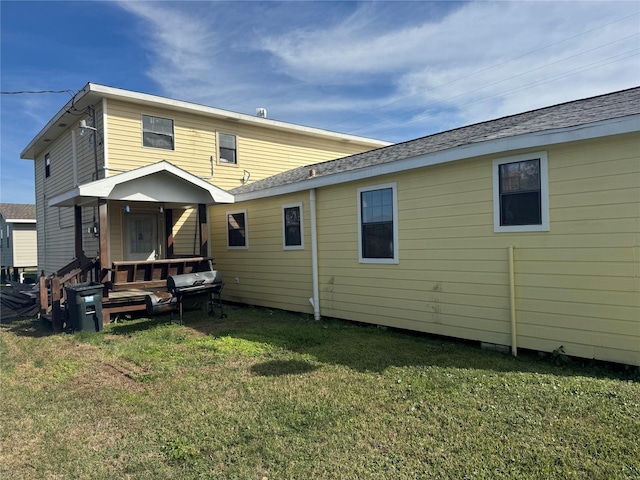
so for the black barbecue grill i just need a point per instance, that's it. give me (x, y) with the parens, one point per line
(201, 284)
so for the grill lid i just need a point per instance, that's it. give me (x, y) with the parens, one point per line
(193, 281)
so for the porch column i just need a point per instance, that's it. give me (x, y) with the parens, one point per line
(105, 264)
(77, 231)
(204, 230)
(168, 228)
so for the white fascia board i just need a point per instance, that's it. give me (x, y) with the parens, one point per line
(617, 126)
(102, 188)
(20, 220)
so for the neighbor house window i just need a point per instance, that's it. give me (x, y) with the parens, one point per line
(157, 132)
(293, 230)
(47, 165)
(378, 224)
(520, 193)
(227, 148)
(237, 229)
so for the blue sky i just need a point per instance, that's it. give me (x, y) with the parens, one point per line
(393, 70)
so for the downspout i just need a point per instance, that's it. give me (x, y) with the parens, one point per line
(512, 299)
(315, 300)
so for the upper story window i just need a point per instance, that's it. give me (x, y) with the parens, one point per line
(378, 224)
(157, 132)
(237, 229)
(292, 227)
(47, 165)
(520, 193)
(227, 148)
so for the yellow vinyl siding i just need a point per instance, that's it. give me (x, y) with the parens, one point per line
(268, 275)
(24, 245)
(576, 285)
(186, 235)
(262, 151)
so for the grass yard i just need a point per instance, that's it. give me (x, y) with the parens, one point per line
(271, 395)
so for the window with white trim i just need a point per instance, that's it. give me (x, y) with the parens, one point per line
(237, 229)
(227, 150)
(378, 224)
(521, 193)
(47, 165)
(157, 132)
(292, 227)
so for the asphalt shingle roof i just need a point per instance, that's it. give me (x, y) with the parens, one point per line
(570, 114)
(18, 211)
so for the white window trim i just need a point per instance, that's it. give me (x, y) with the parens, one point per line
(218, 158)
(173, 121)
(544, 193)
(246, 229)
(284, 230)
(394, 190)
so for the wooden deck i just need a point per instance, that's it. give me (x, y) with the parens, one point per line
(123, 301)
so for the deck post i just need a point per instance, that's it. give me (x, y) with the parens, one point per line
(56, 309)
(77, 231)
(44, 295)
(204, 230)
(103, 229)
(168, 227)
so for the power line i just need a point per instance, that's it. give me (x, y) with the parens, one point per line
(26, 92)
(491, 67)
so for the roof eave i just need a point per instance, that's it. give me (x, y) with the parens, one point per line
(92, 93)
(501, 147)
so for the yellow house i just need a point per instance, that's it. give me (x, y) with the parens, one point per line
(129, 176)
(521, 231)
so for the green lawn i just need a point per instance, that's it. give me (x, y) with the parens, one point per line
(267, 394)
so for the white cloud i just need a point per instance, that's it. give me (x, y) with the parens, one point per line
(390, 69)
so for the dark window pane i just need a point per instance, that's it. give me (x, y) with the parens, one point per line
(293, 235)
(520, 209)
(157, 132)
(377, 223)
(236, 228)
(377, 240)
(520, 176)
(227, 148)
(520, 193)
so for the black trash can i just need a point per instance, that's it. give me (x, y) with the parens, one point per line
(84, 305)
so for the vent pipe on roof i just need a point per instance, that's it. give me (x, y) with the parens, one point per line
(261, 112)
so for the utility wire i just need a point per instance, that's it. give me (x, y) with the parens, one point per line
(24, 92)
(499, 64)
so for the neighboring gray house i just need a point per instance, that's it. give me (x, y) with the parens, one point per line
(18, 242)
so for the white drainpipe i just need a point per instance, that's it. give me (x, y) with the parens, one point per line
(315, 300)
(512, 300)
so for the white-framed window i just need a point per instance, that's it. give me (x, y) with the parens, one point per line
(157, 132)
(521, 193)
(227, 149)
(292, 227)
(47, 165)
(237, 231)
(378, 224)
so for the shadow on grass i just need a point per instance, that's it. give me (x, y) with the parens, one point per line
(368, 348)
(362, 347)
(28, 327)
(276, 368)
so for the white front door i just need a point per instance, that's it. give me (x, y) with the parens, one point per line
(142, 237)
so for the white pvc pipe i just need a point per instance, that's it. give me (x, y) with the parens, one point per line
(315, 300)
(512, 299)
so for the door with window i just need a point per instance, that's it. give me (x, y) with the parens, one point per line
(142, 237)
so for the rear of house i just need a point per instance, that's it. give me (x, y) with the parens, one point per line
(523, 231)
(183, 157)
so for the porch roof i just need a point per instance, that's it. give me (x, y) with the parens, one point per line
(160, 182)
